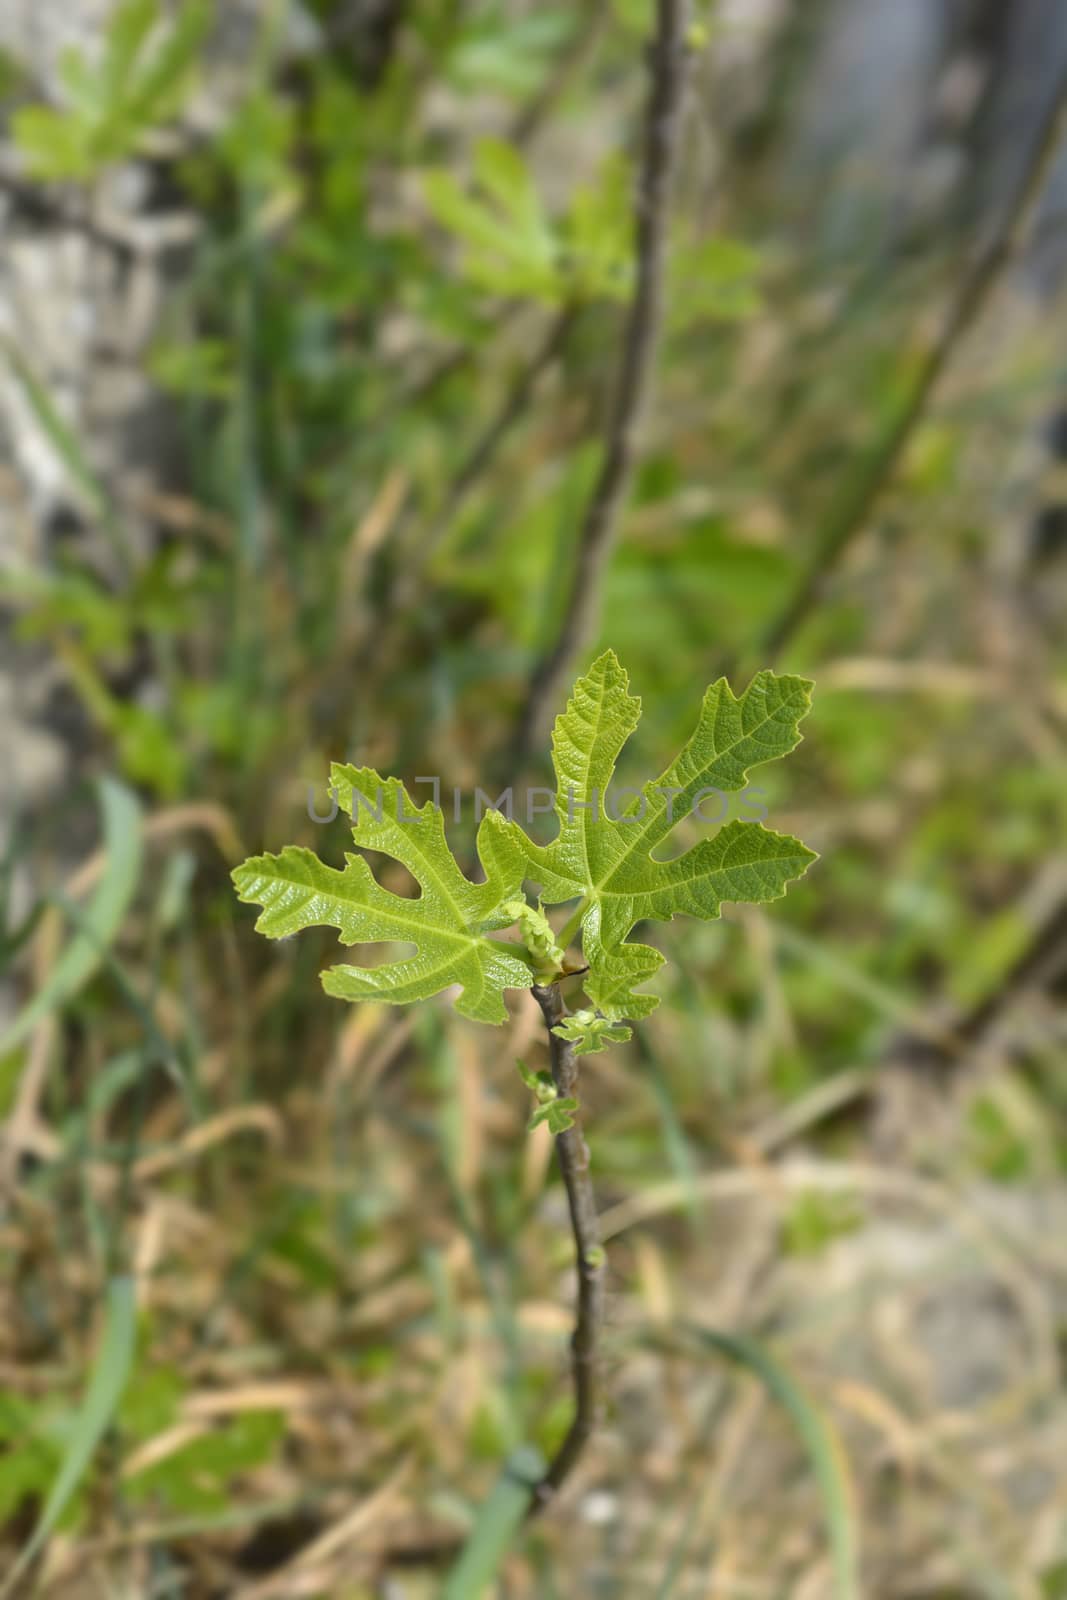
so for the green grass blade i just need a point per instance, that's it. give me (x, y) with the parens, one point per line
(821, 1442)
(121, 816)
(679, 1556)
(105, 1390)
(495, 1527)
(65, 443)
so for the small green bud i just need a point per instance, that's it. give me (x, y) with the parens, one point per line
(528, 1076)
(588, 1032)
(559, 1114)
(538, 935)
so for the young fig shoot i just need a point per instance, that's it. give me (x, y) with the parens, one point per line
(601, 858)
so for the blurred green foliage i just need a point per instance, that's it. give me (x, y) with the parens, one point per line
(111, 105)
(364, 546)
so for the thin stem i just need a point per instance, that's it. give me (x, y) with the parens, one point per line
(850, 515)
(573, 1154)
(634, 381)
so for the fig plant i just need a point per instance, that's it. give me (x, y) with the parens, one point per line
(481, 939)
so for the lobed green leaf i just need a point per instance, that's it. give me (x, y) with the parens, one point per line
(447, 923)
(606, 859)
(601, 855)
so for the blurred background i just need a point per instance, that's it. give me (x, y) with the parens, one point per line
(309, 318)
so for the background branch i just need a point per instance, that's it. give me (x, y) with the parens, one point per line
(630, 399)
(851, 513)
